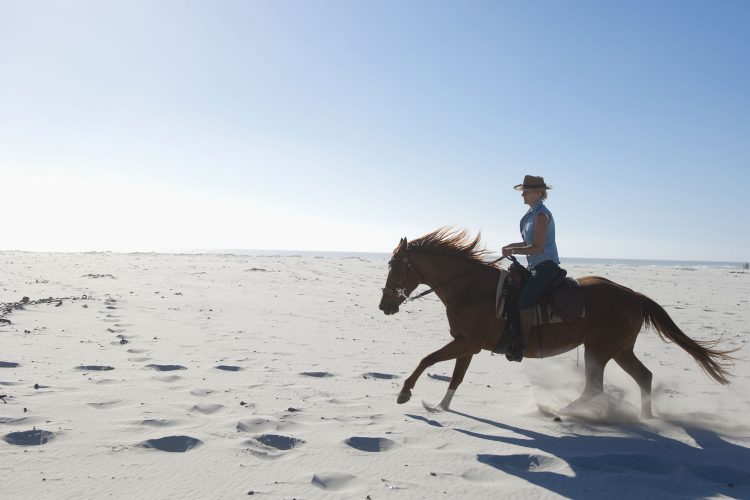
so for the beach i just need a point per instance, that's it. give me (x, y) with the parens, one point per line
(276, 376)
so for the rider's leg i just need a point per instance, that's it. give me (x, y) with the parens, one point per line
(542, 277)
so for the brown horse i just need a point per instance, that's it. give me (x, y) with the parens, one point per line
(455, 267)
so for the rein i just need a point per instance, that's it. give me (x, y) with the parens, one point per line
(431, 290)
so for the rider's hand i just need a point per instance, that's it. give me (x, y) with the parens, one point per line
(507, 250)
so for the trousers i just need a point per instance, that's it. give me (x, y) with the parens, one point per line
(542, 277)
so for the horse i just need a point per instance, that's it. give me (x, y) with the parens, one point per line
(455, 266)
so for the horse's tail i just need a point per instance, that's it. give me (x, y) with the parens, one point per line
(714, 362)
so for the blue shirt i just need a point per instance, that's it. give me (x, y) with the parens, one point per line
(528, 222)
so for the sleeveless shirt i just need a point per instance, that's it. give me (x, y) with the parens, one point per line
(528, 221)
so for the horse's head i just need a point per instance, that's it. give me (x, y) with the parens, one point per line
(401, 280)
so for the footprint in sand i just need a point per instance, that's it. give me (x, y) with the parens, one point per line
(370, 444)
(8, 364)
(317, 374)
(173, 444)
(207, 409)
(279, 442)
(166, 368)
(106, 405)
(380, 376)
(202, 392)
(94, 368)
(335, 481)
(34, 437)
(17, 421)
(271, 446)
(158, 422)
(229, 368)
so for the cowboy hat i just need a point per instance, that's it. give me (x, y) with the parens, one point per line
(532, 182)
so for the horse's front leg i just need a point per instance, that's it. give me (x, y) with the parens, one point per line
(452, 350)
(462, 364)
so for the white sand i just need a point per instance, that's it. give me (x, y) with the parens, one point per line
(311, 410)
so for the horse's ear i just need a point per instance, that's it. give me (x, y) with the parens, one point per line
(401, 245)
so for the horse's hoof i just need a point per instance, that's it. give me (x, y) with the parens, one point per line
(403, 397)
(433, 409)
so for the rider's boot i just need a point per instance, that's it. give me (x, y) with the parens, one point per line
(511, 343)
(524, 321)
(515, 349)
(511, 313)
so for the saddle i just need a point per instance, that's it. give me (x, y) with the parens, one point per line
(564, 301)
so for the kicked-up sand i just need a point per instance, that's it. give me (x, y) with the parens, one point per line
(219, 376)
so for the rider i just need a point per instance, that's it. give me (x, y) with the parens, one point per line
(538, 245)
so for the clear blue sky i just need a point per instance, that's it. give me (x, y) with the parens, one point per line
(345, 125)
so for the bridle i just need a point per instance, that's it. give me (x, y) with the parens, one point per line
(400, 290)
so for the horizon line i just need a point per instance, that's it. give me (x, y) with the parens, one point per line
(290, 253)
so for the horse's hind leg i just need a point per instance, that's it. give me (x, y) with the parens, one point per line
(642, 375)
(594, 377)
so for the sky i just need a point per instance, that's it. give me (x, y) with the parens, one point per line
(346, 125)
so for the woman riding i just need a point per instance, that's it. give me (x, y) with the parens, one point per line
(538, 245)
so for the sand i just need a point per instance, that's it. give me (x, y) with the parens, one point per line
(206, 376)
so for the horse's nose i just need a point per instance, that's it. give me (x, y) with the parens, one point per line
(389, 309)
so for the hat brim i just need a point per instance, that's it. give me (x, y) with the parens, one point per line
(521, 187)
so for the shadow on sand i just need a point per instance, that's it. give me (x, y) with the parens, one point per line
(638, 464)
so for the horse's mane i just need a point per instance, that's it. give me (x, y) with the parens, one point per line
(454, 243)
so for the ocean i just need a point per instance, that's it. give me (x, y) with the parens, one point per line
(377, 256)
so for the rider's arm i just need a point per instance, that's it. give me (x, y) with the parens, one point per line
(541, 223)
(512, 248)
